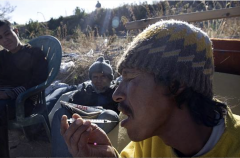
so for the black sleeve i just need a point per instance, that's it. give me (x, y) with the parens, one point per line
(39, 70)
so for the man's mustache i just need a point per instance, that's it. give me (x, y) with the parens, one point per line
(124, 107)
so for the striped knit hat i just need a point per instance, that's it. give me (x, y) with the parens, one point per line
(175, 50)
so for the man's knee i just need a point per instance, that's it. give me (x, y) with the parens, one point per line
(109, 115)
(56, 121)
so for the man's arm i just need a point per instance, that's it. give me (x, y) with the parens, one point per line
(85, 139)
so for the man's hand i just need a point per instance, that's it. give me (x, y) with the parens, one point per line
(3, 95)
(85, 139)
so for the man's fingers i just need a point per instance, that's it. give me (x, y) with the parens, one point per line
(72, 130)
(83, 143)
(76, 116)
(77, 137)
(64, 124)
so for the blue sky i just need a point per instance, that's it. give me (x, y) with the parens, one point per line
(43, 10)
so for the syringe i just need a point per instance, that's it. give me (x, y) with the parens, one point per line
(71, 120)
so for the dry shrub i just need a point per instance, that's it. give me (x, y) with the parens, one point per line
(79, 73)
(221, 28)
(89, 48)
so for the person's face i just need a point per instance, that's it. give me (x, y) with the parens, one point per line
(145, 102)
(100, 81)
(8, 39)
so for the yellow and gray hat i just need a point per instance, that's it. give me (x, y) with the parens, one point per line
(173, 49)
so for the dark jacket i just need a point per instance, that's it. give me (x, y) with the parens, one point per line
(88, 97)
(22, 70)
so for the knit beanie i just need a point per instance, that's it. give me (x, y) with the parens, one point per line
(101, 66)
(174, 50)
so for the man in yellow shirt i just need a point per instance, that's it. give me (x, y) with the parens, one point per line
(167, 94)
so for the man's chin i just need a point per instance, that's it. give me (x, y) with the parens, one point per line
(137, 136)
(101, 90)
(134, 137)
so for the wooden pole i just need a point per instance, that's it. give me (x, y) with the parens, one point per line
(191, 17)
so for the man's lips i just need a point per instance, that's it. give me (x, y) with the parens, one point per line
(126, 111)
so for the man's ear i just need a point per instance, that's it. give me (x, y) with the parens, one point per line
(16, 31)
(177, 87)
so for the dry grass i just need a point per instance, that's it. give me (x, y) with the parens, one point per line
(85, 43)
(228, 28)
(89, 49)
(112, 50)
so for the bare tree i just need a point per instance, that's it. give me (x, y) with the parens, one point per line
(5, 10)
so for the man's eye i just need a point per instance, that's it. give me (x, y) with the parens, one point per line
(128, 79)
(104, 77)
(7, 33)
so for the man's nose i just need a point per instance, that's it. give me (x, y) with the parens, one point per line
(99, 79)
(118, 95)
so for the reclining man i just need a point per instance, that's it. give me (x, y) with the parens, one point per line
(21, 67)
(96, 92)
(167, 94)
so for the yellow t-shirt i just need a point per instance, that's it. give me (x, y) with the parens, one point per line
(227, 146)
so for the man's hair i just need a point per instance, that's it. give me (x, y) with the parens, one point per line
(5, 22)
(203, 110)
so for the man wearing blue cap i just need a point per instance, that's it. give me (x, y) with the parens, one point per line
(95, 92)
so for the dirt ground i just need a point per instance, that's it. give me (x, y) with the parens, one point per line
(20, 146)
